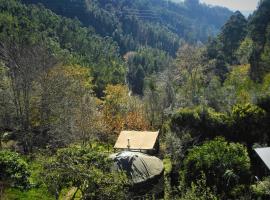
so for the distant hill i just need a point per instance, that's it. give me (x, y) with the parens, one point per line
(133, 23)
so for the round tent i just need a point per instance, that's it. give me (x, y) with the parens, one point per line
(146, 172)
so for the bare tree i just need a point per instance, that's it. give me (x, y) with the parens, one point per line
(25, 62)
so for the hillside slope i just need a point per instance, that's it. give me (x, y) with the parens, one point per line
(156, 23)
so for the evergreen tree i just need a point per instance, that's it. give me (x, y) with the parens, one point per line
(231, 36)
(258, 32)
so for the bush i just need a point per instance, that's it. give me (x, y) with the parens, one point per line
(261, 189)
(224, 164)
(246, 123)
(88, 170)
(249, 124)
(14, 170)
(197, 191)
(203, 122)
(264, 102)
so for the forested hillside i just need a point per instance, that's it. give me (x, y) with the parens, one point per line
(155, 23)
(75, 73)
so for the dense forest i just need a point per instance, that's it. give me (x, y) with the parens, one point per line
(158, 24)
(75, 73)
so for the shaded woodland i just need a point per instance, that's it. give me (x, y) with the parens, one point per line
(73, 74)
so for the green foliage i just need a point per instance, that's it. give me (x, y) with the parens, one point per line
(259, 32)
(136, 23)
(231, 36)
(191, 76)
(88, 170)
(242, 86)
(244, 51)
(265, 55)
(77, 45)
(245, 123)
(264, 102)
(202, 121)
(224, 47)
(14, 170)
(198, 190)
(249, 123)
(224, 164)
(31, 194)
(145, 62)
(261, 189)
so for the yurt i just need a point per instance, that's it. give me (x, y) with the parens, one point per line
(145, 173)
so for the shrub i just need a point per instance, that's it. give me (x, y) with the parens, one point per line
(261, 189)
(14, 170)
(197, 191)
(246, 123)
(224, 164)
(88, 170)
(264, 102)
(203, 122)
(249, 124)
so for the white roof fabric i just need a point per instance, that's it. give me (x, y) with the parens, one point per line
(139, 140)
(138, 166)
(264, 154)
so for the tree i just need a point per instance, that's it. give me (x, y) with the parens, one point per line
(243, 87)
(115, 106)
(139, 81)
(122, 111)
(231, 36)
(14, 171)
(153, 103)
(258, 32)
(265, 58)
(25, 62)
(244, 51)
(249, 124)
(6, 104)
(191, 77)
(225, 165)
(69, 114)
(88, 169)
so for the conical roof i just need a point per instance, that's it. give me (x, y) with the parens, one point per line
(138, 166)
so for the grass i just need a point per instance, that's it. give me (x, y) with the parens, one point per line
(36, 193)
(32, 194)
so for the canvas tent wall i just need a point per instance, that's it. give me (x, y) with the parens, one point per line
(145, 172)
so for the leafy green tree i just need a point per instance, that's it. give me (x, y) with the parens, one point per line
(225, 165)
(245, 50)
(145, 62)
(14, 171)
(231, 36)
(203, 122)
(258, 24)
(265, 56)
(88, 169)
(144, 23)
(249, 124)
(243, 87)
(190, 74)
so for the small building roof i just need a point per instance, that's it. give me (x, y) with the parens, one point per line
(264, 154)
(136, 140)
